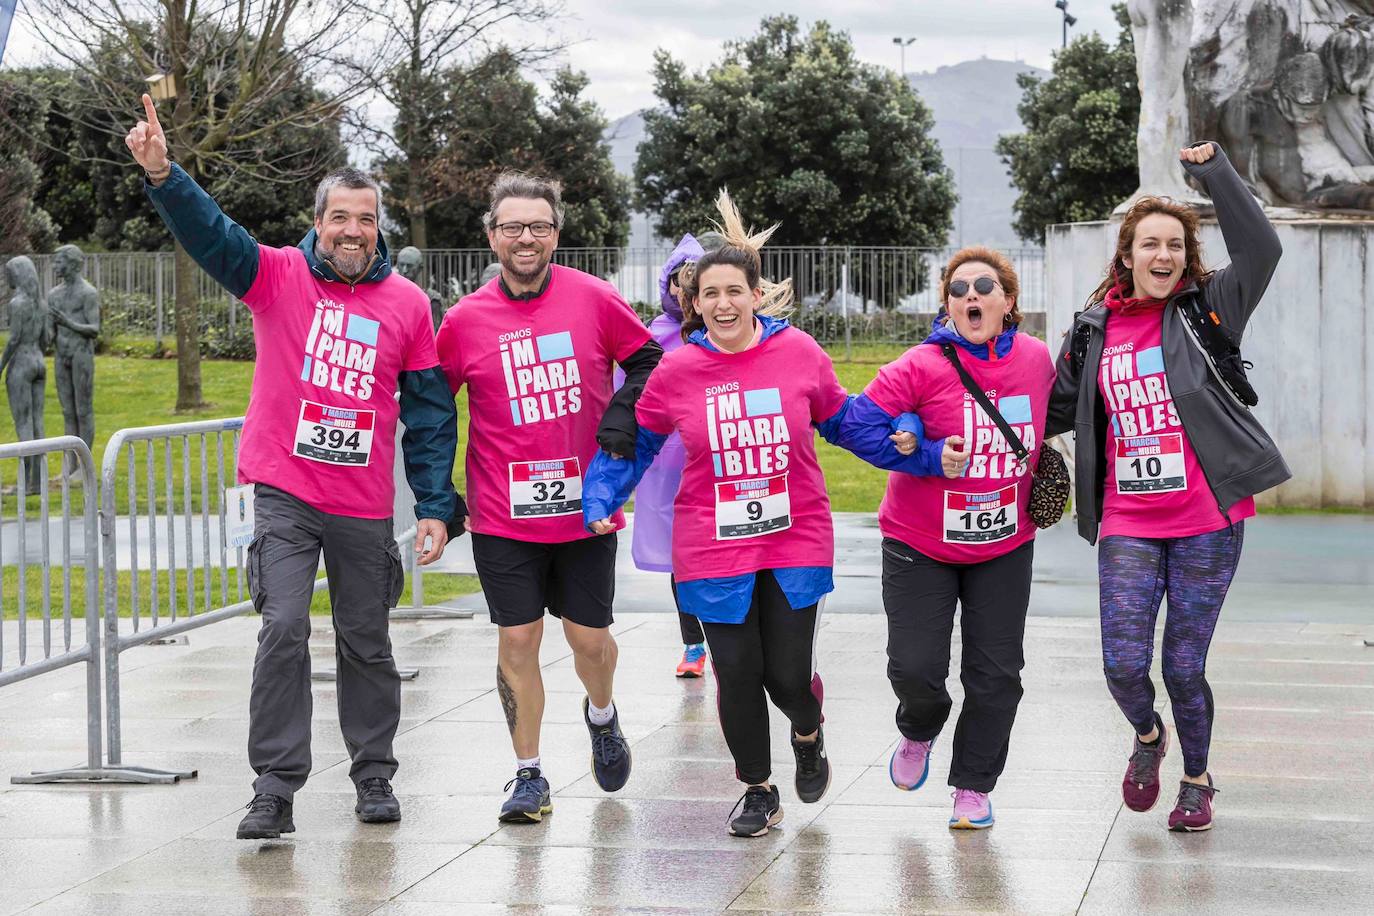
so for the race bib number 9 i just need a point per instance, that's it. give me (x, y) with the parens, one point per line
(1150, 464)
(334, 435)
(544, 488)
(980, 518)
(748, 508)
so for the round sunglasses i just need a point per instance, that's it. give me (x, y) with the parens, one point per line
(982, 286)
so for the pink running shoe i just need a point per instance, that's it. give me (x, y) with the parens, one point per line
(1193, 810)
(910, 764)
(972, 810)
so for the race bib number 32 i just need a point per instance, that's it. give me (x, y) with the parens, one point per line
(980, 518)
(1150, 464)
(543, 488)
(748, 508)
(334, 435)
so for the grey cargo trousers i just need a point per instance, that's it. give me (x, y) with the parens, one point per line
(365, 581)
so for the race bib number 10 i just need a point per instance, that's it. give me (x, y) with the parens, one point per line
(748, 508)
(1150, 464)
(334, 435)
(544, 488)
(980, 518)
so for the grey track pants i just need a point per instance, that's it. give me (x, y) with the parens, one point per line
(365, 581)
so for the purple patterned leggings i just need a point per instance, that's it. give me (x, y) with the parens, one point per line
(1134, 574)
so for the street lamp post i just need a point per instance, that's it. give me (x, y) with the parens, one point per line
(1063, 7)
(902, 43)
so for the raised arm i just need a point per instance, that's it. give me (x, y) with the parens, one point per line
(222, 247)
(1251, 242)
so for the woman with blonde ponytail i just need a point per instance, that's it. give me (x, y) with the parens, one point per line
(753, 547)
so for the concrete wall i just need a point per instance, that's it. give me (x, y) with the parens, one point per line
(1312, 343)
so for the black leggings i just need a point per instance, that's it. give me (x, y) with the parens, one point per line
(772, 650)
(689, 625)
(919, 595)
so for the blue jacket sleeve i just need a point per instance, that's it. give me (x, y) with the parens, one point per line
(221, 247)
(428, 445)
(862, 427)
(610, 481)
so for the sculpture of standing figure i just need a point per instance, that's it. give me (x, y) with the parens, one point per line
(74, 306)
(410, 264)
(23, 358)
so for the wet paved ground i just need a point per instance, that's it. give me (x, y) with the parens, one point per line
(1293, 757)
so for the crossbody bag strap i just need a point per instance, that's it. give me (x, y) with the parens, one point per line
(1022, 453)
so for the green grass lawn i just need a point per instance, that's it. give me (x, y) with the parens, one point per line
(439, 587)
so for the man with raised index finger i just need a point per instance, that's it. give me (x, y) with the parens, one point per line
(339, 336)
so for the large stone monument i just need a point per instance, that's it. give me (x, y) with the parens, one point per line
(74, 307)
(22, 363)
(1287, 88)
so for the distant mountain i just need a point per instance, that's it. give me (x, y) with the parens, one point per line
(973, 103)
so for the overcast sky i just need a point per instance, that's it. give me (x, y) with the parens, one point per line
(613, 41)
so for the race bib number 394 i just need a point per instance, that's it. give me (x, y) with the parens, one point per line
(748, 508)
(334, 435)
(544, 488)
(1150, 464)
(980, 518)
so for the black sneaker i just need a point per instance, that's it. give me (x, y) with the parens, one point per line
(610, 751)
(268, 817)
(813, 769)
(376, 802)
(531, 799)
(762, 809)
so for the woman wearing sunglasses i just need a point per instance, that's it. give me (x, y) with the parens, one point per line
(959, 533)
(1169, 458)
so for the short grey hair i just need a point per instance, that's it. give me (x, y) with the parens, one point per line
(529, 187)
(347, 177)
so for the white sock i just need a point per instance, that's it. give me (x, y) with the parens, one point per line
(523, 762)
(599, 716)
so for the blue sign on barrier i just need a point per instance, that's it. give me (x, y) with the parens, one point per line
(6, 17)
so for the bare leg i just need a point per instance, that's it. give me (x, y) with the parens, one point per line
(594, 656)
(520, 684)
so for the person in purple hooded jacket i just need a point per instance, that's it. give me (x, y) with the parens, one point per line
(653, 518)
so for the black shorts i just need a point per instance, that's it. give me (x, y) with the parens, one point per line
(575, 580)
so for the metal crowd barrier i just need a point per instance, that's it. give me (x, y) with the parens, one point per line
(33, 661)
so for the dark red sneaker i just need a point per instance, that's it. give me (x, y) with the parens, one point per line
(1140, 787)
(1193, 810)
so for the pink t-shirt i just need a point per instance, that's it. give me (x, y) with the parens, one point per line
(538, 373)
(1155, 487)
(752, 494)
(321, 422)
(982, 514)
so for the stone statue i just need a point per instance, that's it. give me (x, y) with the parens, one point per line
(1161, 29)
(410, 264)
(23, 358)
(74, 306)
(1287, 87)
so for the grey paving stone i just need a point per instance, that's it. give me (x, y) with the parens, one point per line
(1213, 889)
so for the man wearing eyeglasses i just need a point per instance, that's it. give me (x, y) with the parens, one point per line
(536, 347)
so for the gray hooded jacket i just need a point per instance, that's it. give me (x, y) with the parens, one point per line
(1237, 456)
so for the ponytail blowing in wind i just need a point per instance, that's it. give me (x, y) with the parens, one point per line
(741, 249)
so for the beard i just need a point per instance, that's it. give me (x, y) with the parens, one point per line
(508, 263)
(345, 263)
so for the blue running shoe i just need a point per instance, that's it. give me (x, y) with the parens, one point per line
(610, 751)
(530, 801)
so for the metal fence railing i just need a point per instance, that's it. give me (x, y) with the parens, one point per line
(860, 293)
(47, 643)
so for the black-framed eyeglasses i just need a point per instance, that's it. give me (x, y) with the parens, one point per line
(982, 286)
(513, 230)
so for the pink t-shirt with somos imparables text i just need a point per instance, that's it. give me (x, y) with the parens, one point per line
(1155, 487)
(321, 421)
(752, 496)
(982, 514)
(538, 373)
